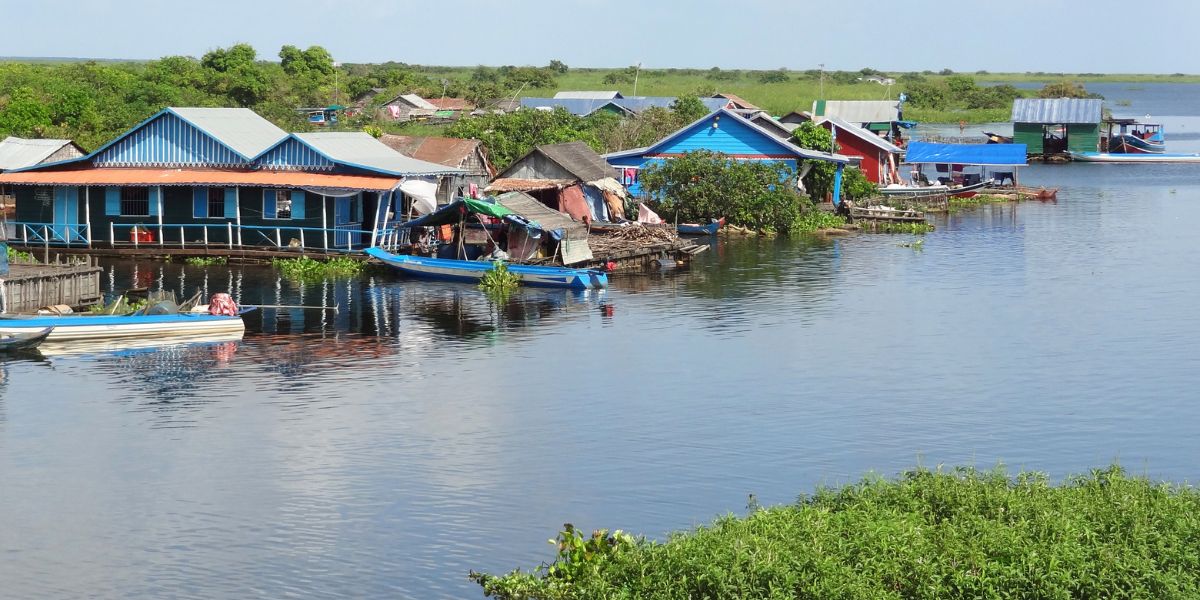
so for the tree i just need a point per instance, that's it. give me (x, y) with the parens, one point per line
(1065, 89)
(223, 60)
(687, 109)
(509, 136)
(777, 76)
(702, 184)
(819, 180)
(558, 66)
(292, 60)
(24, 114)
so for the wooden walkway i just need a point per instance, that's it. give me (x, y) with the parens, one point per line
(28, 287)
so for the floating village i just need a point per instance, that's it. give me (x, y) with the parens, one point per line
(228, 183)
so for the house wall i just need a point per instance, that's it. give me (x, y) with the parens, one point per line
(1029, 134)
(537, 166)
(1083, 137)
(872, 162)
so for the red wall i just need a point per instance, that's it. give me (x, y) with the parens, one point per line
(852, 145)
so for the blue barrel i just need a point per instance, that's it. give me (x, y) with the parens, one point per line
(3, 259)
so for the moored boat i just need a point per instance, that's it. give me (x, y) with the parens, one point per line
(447, 269)
(1108, 157)
(1132, 137)
(95, 327)
(710, 228)
(917, 191)
(12, 342)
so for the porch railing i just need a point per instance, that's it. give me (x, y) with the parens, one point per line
(214, 236)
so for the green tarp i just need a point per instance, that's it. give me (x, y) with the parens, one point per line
(454, 212)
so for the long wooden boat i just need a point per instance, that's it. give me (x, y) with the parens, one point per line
(473, 270)
(1106, 157)
(97, 327)
(711, 228)
(11, 342)
(907, 191)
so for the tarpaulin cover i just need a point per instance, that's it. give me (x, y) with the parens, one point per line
(423, 193)
(454, 212)
(966, 154)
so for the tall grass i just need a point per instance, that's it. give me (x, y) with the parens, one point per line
(959, 533)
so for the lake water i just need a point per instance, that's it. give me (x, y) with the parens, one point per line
(420, 432)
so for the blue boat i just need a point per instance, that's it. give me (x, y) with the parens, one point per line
(1106, 157)
(447, 269)
(696, 229)
(97, 327)
(1132, 137)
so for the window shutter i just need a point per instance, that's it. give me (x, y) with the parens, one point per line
(268, 204)
(231, 206)
(297, 204)
(155, 194)
(112, 201)
(200, 203)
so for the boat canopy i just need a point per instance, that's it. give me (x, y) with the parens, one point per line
(455, 211)
(1006, 155)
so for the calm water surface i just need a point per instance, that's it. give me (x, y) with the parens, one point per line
(419, 432)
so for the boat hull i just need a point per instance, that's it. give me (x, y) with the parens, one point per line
(473, 270)
(965, 191)
(1106, 157)
(102, 327)
(1131, 144)
(696, 229)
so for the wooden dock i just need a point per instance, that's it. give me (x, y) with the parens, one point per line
(30, 286)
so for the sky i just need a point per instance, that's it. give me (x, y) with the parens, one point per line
(1078, 36)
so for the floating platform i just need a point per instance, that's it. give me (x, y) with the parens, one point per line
(1105, 157)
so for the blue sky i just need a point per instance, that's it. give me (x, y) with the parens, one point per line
(964, 35)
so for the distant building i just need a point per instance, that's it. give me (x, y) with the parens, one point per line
(20, 153)
(1054, 126)
(736, 102)
(624, 106)
(468, 155)
(406, 107)
(880, 116)
(584, 95)
(723, 131)
(761, 118)
(796, 118)
(567, 177)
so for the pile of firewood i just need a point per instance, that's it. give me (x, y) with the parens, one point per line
(630, 237)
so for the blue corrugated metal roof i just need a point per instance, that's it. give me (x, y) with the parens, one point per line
(1056, 110)
(638, 104)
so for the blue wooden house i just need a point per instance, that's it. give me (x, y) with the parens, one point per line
(220, 178)
(723, 131)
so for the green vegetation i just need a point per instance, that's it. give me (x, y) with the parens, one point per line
(15, 255)
(205, 261)
(815, 220)
(306, 268)
(702, 184)
(959, 533)
(499, 282)
(913, 227)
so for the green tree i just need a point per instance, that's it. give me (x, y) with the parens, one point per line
(687, 109)
(558, 66)
(777, 76)
(24, 114)
(509, 136)
(1065, 89)
(819, 179)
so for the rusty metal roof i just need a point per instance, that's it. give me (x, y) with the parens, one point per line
(510, 184)
(738, 101)
(452, 152)
(451, 103)
(214, 177)
(1056, 110)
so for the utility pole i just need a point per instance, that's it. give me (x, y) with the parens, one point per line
(636, 72)
(822, 66)
(335, 81)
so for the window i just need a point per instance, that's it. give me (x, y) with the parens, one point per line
(216, 202)
(135, 202)
(277, 204)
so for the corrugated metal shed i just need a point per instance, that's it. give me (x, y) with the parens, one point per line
(415, 101)
(1056, 110)
(587, 95)
(858, 111)
(576, 158)
(241, 129)
(577, 106)
(358, 149)
(18, 153)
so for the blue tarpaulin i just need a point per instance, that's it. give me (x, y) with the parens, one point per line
(966, 154)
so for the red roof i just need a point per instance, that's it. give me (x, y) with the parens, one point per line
(452, 152)
(451, 103)
(737, 101)
(169, 177)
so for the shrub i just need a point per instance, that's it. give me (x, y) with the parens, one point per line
(309, 269)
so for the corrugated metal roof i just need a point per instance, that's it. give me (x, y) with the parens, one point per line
(241, 129)
(864, 134)
(577, 106)
(358, 149)
(18, 153)
(1056, 110)
(170, 177)
(416, 101)
(527, 206)
(638, 104)
(859, 111)
(511, 184)
(738, 101)
(587, 95)
(452, 103)
(577, 158)
(452, 152)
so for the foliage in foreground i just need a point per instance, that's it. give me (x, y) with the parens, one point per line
(205, 261)
(928, 534)
(499, 282)
(15, 255)
(306, 268)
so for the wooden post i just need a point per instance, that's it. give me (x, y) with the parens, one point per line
(112, 235)
(301, 238)
(324, 225)
(87, 213)
(278, 240)
(229, 233)
(375, 221)
(182, 241)
(46, 244)
(206, 237)
(237, 203)
(160, 215)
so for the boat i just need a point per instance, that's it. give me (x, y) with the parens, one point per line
(11, 342)
(919, 191)
(95, 327)
(995, 138)
(1132, 137)
(1109, 157)
(697, 229)
(448, 269)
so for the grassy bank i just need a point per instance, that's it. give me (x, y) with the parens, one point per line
(927, 534)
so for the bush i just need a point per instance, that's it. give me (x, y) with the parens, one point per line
(309, 269)
(960, 533)
(701, 185)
